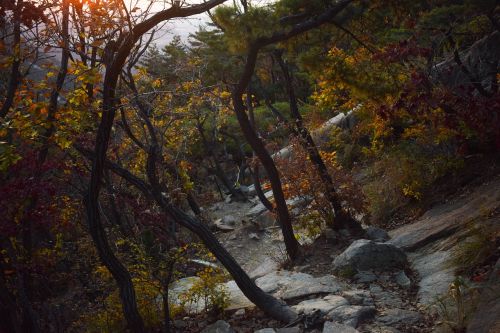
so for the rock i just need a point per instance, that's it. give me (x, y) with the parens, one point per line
(222, 226)
(299, 202)
(240, 313)
(179, 324)
(256, 210)
(486, 318)
(228, 199)
(403, 280)
(443, 220)
(365, 254)
(237, 300)
(365, 277)
(376, 234)
(481, 59)
(265, 220)
(251, 190)
(385, 298)
(351, 315)
(220, 326)
(245, 189)
(229, 220)
(253, 235)
(396, 316)
(288, 330)
(388, 299)
(435, 274)
(323, 305)
(180, 286)
(331, 327)
(267, 266)
(265, 330)
(287, 285)
(358, 297)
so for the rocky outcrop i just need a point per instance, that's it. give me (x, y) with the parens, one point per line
(481, 61)
(434, 239)
(365, 254)
(487, 316)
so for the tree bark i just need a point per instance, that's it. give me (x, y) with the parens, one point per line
(15, 75)
(113, 69)
(152, 190)
(342, 220)
(284, 218)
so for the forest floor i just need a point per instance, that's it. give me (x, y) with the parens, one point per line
(474, 195)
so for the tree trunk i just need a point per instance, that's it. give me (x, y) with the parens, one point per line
(291, 243)
(343, 220)
(15, 76)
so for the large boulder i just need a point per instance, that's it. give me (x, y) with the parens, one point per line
(364, 254)
(376, 234)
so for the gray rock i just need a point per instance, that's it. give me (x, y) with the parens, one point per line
(256, 210)
(229, 220)
(288, 330)
(266, 330)
(323, 305)
(299, 202)
(396, 316)
(220, 326)
(239, 313)
(351, 315)
(331, 327)
(376, 234)
(443, 220)
(481, 59)
(358, 297)
(237, 300)
(486, 319)
(365, 277)
(267, 266)
(253, 235)
(365, 254)
(287, 285)
(375, 288)
(435, 274)
(265, 219)
(228, 199)
(180, 324)
(403, 280)
(222, 226)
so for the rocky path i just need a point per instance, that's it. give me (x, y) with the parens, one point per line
(374, 285)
